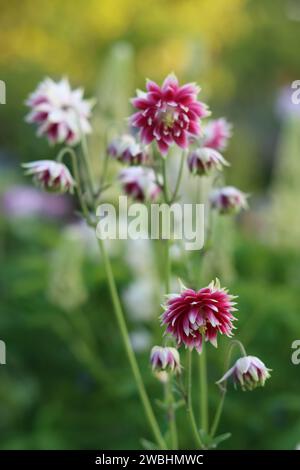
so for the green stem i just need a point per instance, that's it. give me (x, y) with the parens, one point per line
(87, 163)
(131, 356)
(218, 414)
(72, 154)
(171, 415)
(219, 410)
(104, 169)
(189, 403)
(167, 265)
(165, 181)
(179, 178)
(203, 388)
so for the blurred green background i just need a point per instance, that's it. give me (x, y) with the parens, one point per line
(66, 384)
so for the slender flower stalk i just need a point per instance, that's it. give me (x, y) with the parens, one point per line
(87, 163)
(203, 389)
(128, 347)
(130, 354)
(179, 178)
(167, 276)
(69, 151)
(190, 410)
(171, 415)
(234, 343)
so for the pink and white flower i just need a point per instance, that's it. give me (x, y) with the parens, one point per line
(228, 200)
(127, 150)
(168, 114)
(192, 316)
(50, 175)
(249, 372)
(165, 359)
(140, 183)
(204, 160)
(60, 113)
(217, 133)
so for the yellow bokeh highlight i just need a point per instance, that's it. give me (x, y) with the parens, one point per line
(71, 37)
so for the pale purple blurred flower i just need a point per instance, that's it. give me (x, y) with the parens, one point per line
(25, 201)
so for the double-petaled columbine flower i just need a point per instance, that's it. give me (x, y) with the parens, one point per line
(165, 359)
(249, 372)
(50, 175)
(60, 113)
(167, 114)
(140, 183)
(217, 133)
(228, 200)
(127, 150)
(204, 160)
(192, 316)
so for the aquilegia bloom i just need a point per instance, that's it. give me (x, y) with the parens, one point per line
(193, 315)
(50, 175)
(127, 150)
(165, 359)
(167, 114)
(228, 200)
(204, 160)
(60, 113)
(249, 372)
(139, 183)
(216, 134)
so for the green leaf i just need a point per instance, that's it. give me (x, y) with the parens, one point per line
(218, 439)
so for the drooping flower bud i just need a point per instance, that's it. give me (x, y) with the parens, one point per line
(127, 150)
(140, 183)
(248, 372)
(228, 200)
(50, 175)
(165, 359)
(204, 160)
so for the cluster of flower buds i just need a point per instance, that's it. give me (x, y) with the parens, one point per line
(228, 200)
(51, 176)
(140, 183)
(60, 113)
(127, 150)
(248, 372)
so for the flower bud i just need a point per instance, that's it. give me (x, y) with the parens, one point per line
(228, 200)
(203, 161)
(165, 359)
(140, 183)
(127, 150)
(249, 372)
(50, 175)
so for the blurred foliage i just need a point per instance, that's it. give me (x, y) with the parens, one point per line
(51, 396)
